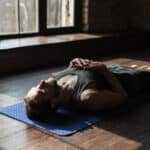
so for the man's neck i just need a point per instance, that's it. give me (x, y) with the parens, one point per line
(67, 85)
(65, 96)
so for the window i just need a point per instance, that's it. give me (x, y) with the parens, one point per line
(18, 16)
(29, 17)
(60, 13)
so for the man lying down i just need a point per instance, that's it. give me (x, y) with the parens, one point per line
(86, 85)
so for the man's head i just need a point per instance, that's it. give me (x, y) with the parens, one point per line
(40, 100)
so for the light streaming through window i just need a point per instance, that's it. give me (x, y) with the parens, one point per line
(60, 13)
(18, 16)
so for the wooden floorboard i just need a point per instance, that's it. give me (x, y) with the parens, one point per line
(124, 131)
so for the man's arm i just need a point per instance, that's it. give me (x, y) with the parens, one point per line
(94, 100)
(113, 81)
(101, 68)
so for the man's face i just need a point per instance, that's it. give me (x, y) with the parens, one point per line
(41, 96)
(45, 89)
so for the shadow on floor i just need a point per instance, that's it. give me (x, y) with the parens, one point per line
(133, 124)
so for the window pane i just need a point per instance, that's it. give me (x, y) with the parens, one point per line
(18, 16)
(8, 17)
(60, 13)
(28, 16)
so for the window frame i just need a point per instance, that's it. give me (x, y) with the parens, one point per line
(42, 23)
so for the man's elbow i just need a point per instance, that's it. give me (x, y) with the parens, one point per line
(86, 95)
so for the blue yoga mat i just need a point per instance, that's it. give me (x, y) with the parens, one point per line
(64, 122)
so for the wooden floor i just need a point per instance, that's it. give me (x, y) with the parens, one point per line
(125, 131)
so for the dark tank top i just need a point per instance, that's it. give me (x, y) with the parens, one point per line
(133, 81)
(85, 78)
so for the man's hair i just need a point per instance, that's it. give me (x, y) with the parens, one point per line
(38, 110)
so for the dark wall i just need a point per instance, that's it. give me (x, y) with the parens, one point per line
(116, 15)
(140, 15)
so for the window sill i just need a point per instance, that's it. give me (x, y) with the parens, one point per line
(44, 40)
(26, 53)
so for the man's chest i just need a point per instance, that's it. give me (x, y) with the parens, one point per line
(68, 80)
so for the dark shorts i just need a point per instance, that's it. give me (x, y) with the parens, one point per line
(134, 81)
